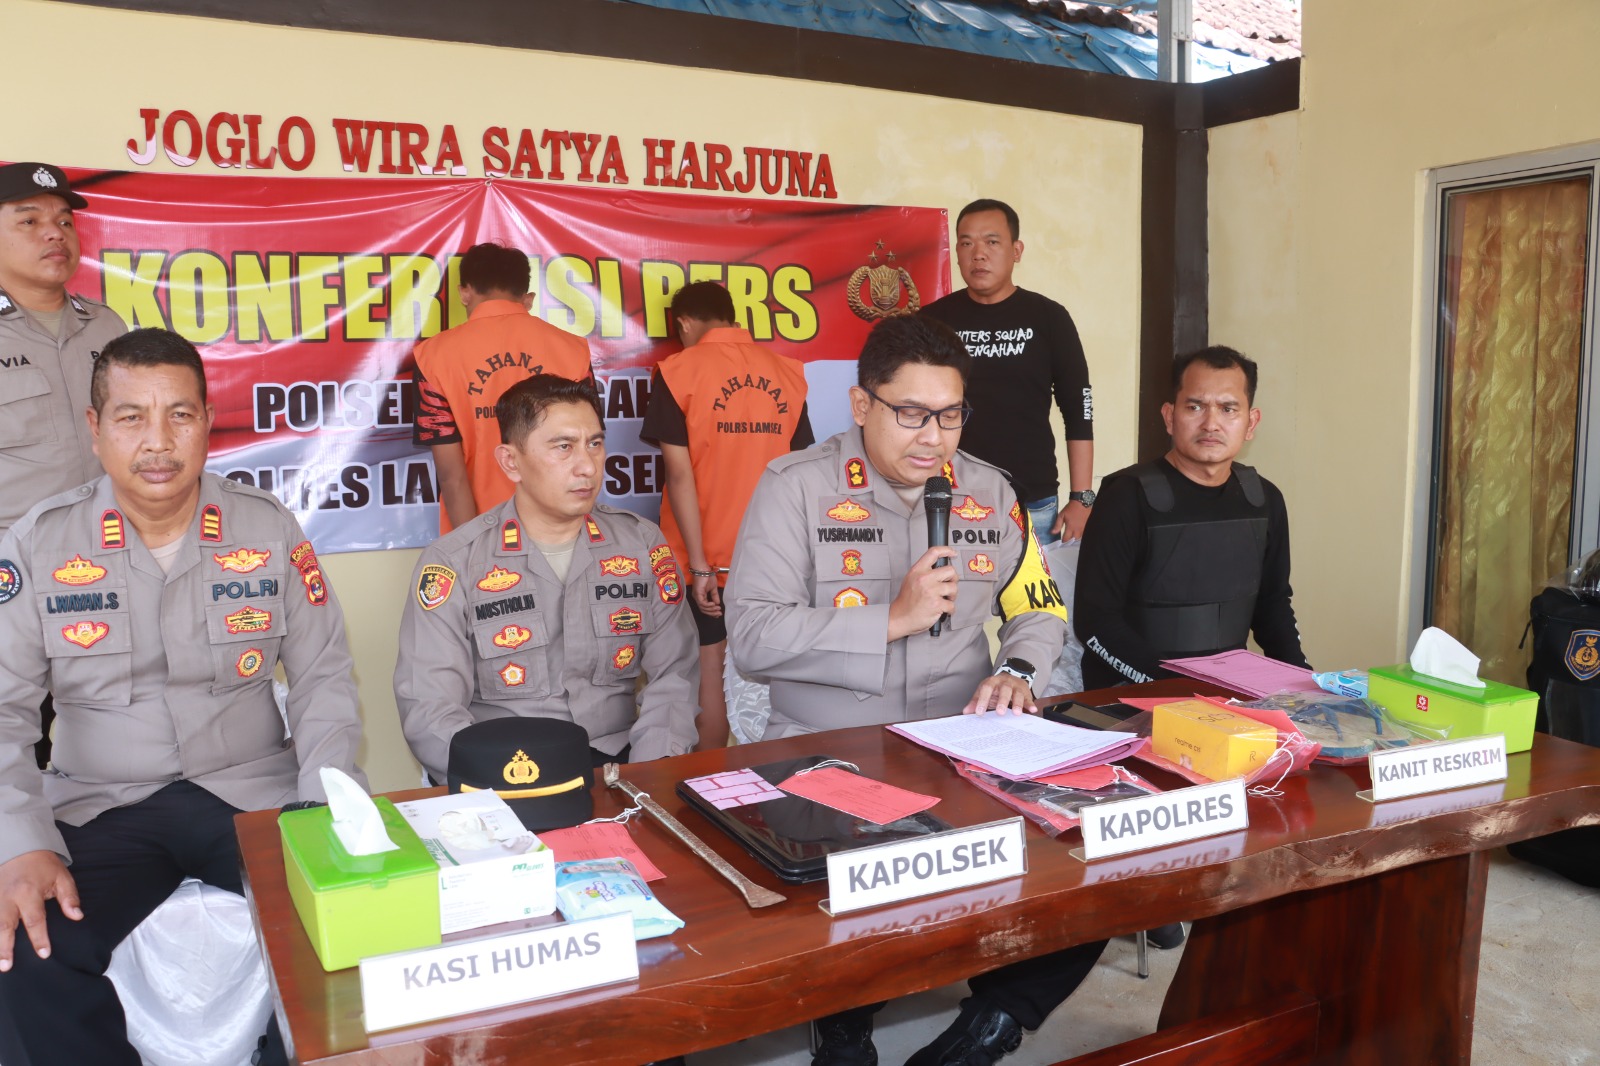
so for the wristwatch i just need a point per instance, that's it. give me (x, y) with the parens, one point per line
(1017, 668)
(1086, 497)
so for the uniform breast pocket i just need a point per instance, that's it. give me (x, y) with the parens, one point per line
(853, 576)
(25, 415)
(244, 636)
(620, 630)
(511, 658)
(91, 658)
(980, 581)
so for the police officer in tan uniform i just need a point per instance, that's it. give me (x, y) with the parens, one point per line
(551, 603)
(833, 595)
(155, 602)
(49, 339)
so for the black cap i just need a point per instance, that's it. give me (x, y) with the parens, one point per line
(21, 181)
(541, 767)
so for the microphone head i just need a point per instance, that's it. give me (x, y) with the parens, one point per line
(936, 493)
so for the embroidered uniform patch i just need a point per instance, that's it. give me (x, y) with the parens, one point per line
(850, 597)
(498, 579)
(242, 560)
(86, 634)
(434, 585)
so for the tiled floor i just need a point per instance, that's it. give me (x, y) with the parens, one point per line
(1538, 991)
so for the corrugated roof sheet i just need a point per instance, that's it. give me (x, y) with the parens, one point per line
(1098, 35)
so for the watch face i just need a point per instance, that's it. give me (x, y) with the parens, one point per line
(1021, 666)
(1086, 497)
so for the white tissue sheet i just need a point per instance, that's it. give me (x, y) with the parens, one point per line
(355, 817)
(1440, 655)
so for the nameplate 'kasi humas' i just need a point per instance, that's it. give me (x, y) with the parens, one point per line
(472, 975)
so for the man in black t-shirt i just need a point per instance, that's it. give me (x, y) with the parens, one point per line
(1188, 554)
(1024, 346)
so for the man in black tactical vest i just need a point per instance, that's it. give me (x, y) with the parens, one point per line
(1188, 554)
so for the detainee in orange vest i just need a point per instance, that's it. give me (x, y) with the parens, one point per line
(462, 372)
(720, 411)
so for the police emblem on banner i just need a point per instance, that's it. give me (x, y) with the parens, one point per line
(1583, 654)
(434, 585)
(886, 285)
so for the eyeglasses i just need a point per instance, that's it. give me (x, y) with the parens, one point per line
(912, 416)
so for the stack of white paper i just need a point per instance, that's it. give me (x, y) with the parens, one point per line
(1019, 747)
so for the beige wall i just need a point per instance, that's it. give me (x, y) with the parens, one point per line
(1074, 181)
(1391, 89)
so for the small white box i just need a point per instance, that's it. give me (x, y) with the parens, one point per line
(491, 869)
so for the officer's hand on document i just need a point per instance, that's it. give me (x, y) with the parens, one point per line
(1003, 694)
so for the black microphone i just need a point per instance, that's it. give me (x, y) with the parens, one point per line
(936, 502)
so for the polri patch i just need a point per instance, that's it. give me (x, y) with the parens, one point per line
(435, 585)
(242, 560)
(78, 571)
(619, 566)
(498, 579)
(661, 558)
(304, 559)
(250, 662)
(85, 634)
(670, 587)
(10, 581)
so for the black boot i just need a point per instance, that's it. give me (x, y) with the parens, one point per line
(1167, 937)
(844, 1039)
(981, 1035)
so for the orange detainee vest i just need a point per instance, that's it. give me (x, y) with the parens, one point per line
(474, 364)
(741, 403)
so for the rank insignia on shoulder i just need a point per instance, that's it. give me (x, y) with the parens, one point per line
(513, 675)
(211, 523)
(435, 585)
(78, 571)
(619, 566)
(595, 536)
(625, 620)
(243, 560)
(250, 662)
(850, 563)
(498, 579)
(512, 636)
(85, 634)
(111, 530)
(848, 511)
(855, 474)
(624, 657)
(850, 597)
(972, 510)
(511, 536)
(10, 581)
(670, 587)
(949, 472)
(981, 564)
(248, 620)
(661, 558)
(1017, 517)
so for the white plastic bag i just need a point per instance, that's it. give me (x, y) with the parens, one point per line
(1062, 559)
(192, 981)
(749, 703)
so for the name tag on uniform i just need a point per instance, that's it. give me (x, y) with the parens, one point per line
(941, 862)
(472, 975)
(1121, 826)
(1436, 767)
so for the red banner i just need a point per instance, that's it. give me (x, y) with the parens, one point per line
(307, 296)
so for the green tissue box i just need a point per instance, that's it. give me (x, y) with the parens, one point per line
(1466, 712)
(354, 906)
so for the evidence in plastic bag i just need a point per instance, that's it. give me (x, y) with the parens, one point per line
(1055, 803)
(1349, 728)
(591, 888)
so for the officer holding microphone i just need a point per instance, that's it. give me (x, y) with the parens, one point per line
(863, 604)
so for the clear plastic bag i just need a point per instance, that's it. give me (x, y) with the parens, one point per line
(1348, 728)
(192, 982)
(1053, 804)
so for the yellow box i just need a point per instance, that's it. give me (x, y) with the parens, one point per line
(1212, 741)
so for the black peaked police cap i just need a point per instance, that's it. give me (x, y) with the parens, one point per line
(23, 181)
(541, 767)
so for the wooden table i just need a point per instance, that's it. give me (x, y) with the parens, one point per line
(1354, 929)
